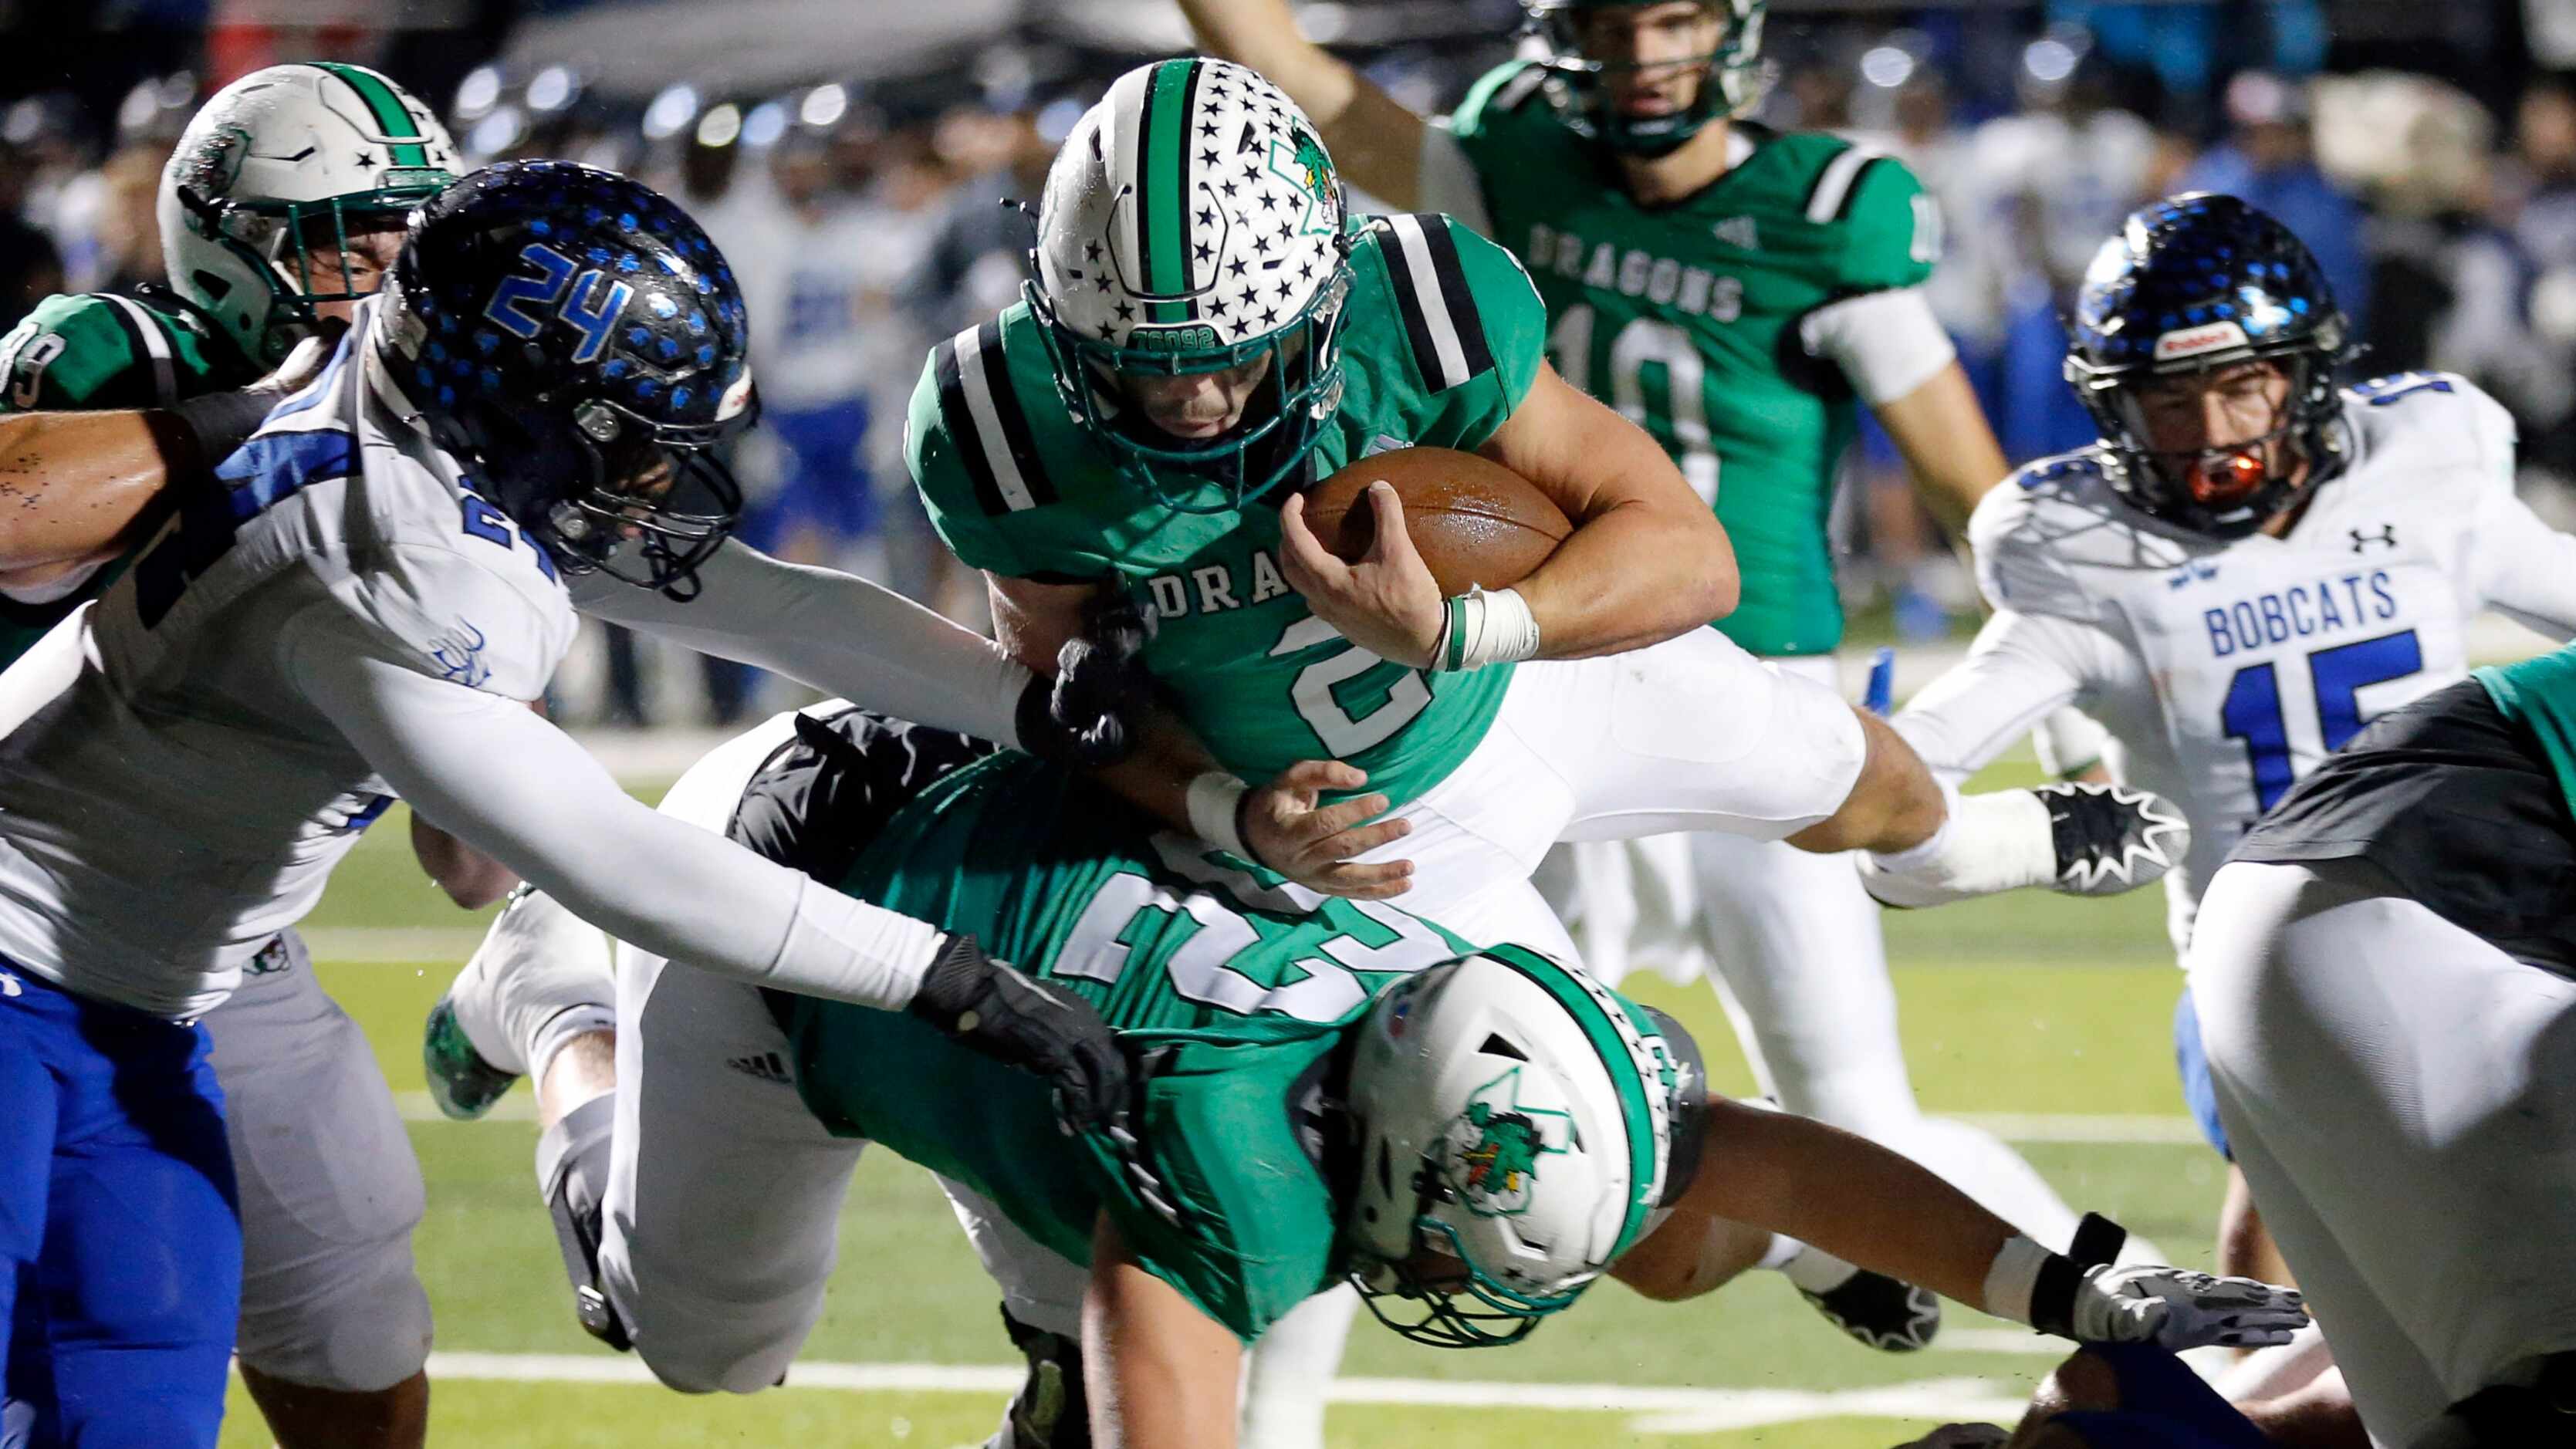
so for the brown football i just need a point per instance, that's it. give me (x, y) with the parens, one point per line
(1473, 520)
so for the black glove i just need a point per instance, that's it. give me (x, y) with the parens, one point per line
(996, 1011)
(1089, 715)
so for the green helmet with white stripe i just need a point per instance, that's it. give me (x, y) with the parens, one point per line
(1519, 1124)
(285, 159)
(1193, 224)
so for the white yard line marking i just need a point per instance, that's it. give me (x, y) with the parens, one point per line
(1652, 1410)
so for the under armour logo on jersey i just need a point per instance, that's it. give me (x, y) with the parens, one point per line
(1737, 231)
(762, 1067)
(2386, 537)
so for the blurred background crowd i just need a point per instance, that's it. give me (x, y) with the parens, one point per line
(853, 158)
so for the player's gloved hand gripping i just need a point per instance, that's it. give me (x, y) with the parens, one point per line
(994, 1009)
(1090, 714)
(2078, 1295)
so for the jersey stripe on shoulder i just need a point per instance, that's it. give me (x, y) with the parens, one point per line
(1440, 316)
(1836, 183)
(144, 331)
(985, 423)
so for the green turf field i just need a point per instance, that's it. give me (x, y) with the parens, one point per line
(2051, 1010)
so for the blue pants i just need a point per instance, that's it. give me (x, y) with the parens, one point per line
(120, 1239)
(2191, 1063)
(2164, 1405)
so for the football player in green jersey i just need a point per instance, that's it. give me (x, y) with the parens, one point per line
(1203, 336)
(1740, 293)
(109, 397)
(1325, 1090)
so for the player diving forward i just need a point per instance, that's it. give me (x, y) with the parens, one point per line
(2385, 972)
(362, 612)
(280, 209)
(1203, 336)
(1741, 294)
(2250, 565)
(1323, 1088)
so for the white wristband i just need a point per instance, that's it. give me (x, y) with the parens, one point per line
(2013, 1276)
(1212, 801)
(1484, 628)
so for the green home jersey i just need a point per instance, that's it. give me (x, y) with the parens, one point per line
(1443, 338)
(96, 352)
(1686, 318)
(2539, 694)
(1243, 982)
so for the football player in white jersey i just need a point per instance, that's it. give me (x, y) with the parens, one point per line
(518, 426)
(2250, 564)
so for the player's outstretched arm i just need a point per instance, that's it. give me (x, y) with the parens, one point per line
(848, 637)
(1871, 1207)
(1172, 775)
(1375, 141)
(2021, 669)
(1647, 561)
(520, 790)
(1159, 1373)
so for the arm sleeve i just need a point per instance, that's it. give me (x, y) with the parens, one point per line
(2528, 569)
(839, 634)
(2021, 668)
(518, 789)
(1888, 343)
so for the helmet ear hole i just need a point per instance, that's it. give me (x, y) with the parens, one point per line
(1495, 1046)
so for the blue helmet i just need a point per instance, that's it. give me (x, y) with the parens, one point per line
(578, 340)
(2194, 283)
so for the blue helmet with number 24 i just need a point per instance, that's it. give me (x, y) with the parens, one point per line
(579, 341)
(2197, 284)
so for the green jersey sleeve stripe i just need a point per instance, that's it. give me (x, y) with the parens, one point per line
(143, 332)
(1838, 182)
(400, 132)
(1440, 316)
(983, 418)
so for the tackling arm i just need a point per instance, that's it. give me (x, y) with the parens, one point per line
(517, 788)
(1376, 143)
(1159, 1373)
(840, 634)
(2022, 668)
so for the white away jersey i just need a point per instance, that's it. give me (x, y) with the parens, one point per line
(168, 802)
(2226, 669)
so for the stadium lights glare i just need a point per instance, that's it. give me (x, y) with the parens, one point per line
(824, 106)
(673, 109)
(766, 123)
(552, 90)
(720, 126)
(478, 93)
(1886, 66)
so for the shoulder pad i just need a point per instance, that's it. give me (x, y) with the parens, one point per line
(1465, 303)
(1509, 89)
(2439, 410)
(979, 411)
(2025, 531)
(88, 350)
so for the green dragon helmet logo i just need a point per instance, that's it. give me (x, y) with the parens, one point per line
(1300, 160)
(1497, 1144)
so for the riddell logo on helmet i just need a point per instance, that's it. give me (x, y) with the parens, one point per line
(2195, 341)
